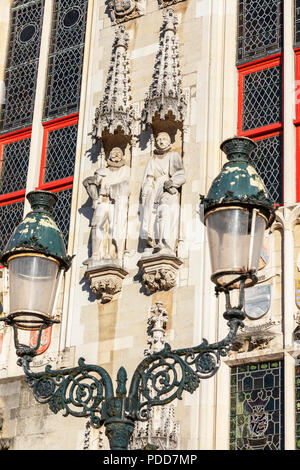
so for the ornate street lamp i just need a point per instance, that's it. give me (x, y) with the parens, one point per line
(237, 212)
(36, 259)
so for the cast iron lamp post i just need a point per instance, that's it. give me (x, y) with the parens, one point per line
(237, 211)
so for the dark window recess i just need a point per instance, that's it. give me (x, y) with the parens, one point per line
(22, 64)
(66, 58)
(10, 216)
(62, 212)
(14, 166)
(61, 150)
(262, 98)
(260, 29)
(297, 23)
(267, 160)
(257, 406)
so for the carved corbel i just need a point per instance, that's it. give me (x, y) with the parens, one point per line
(168, 3)
(159, 273)
(106, 281)
(125, 10)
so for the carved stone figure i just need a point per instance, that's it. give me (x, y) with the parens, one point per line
(109, 191)
(164, 175)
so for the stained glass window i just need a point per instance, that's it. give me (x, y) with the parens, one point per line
(259, 29)
(22, 64)
(66, 57)
(267, 160)
(257, 406)
(262, 98)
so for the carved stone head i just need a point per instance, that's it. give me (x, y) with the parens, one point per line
(163, 142)
(116, 158)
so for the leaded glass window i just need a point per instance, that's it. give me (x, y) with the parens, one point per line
(257, 406)
(14, 166)
(10, 216)
(262, 98)
(62, 212)
(60, 156)
(22, 63)
(66, 57)
(260, 29)
(267, 160)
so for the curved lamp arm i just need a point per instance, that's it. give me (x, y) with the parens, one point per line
(165, 375)
(87, 390)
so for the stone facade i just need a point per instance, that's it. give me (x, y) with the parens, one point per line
(113, 333)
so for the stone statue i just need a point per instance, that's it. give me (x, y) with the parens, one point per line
(109, 191)
(164, 175)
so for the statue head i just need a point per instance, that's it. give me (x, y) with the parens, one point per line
(116, 157)
(163, 141)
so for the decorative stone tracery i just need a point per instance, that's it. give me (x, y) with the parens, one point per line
(114, 117)
(161, 431)
(165, 103)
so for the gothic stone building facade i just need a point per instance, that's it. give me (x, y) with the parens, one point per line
(100, 100)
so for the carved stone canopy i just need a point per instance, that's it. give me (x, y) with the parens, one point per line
(165, 100)
(159, 272)
(115, 115)
(106, 280)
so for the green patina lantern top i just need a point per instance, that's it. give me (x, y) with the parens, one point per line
(238, 183)
(38, 232)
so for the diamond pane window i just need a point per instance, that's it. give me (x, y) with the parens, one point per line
(14, 166)
(257, 406)
(10, 216)
(22, 63)
(60, 156)
(66, 57)
(262, 98)
(260, 29)
(62, 212)
(267, 160)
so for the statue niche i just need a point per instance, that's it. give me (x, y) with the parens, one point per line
(164, 176)
(109, 191)
(160, 195)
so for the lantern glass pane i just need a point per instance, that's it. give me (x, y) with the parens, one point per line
(33, 281)
(259, 232)
(232, 249)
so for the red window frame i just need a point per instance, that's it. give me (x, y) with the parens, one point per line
(5, 139)
(49, 126)
(243, 70)
(270, 130)
(65, 183)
